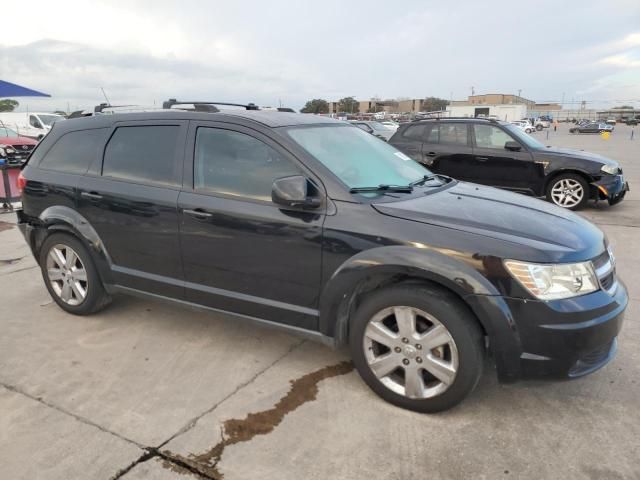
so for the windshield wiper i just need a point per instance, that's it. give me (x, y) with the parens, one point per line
(424, 179)
(428, 178)
(383, 188)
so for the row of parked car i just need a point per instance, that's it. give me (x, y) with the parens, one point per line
(309, 224)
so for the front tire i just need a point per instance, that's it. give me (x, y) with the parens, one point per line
(539, 127)
(569, 191)
(71, 276)
(417, 347)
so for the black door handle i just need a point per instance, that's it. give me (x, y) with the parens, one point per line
(198, 213)
(431, 154)
(91, 195)
(482, 159)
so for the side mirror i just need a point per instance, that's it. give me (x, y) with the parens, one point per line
(513, 146)
(293, 192)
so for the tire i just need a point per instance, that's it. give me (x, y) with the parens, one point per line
(461, 349)
(559, 194)
(67, 284)
(539, 127)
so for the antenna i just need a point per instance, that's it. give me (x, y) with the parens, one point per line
(105, 96)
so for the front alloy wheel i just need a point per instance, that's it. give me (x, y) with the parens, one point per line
(568, 191)
(410, 352)
(417, 346)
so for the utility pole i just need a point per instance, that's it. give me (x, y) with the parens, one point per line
(473, 91)
(519, 91)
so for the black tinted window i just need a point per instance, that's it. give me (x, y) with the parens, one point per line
(143, 154)
(415, 132)
(74, 151)
(237, 164)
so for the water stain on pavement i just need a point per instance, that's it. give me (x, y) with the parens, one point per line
(303, 390)
(5, 226)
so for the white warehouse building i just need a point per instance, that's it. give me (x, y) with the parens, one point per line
(506, 112)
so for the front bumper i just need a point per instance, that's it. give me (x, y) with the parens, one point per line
(612, 188)
(556, 339)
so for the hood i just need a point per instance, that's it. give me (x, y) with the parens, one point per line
(17, 141)
(581, 154)
(540, 226)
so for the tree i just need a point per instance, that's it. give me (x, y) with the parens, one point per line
(8, 105)
(349, 105)
(433, 104)
(317, 105)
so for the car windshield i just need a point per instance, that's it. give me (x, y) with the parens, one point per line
(523, 137)
(358, 158)
(7, 132)
(49, 119)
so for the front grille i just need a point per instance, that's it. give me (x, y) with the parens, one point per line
(605, 267)
(18, 154)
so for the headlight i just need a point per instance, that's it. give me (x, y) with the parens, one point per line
(610, 169)
(552, 282)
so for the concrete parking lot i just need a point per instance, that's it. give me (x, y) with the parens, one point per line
(147, 390)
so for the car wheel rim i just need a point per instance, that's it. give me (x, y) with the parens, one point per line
(410, 352)
(567, 193)
(67, 275)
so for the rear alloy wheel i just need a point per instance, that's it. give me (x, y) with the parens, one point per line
(67, 275)
(70, 275)
(568, 191)
(417, 347)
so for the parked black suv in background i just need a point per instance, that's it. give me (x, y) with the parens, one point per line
(499, 154)
(313, 225)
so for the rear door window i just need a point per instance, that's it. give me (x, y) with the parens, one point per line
(448, 134)
(75, 151)
(143, 154)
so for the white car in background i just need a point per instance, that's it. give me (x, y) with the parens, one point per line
(390, 124)
(525, 126)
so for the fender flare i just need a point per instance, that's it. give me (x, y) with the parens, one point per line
(62, 218)
(399, 262)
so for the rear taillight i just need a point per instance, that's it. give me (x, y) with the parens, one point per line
(22, 182)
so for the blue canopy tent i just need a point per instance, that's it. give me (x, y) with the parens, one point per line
(8, 89)
(9, 173)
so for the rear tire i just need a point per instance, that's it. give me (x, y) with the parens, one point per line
(539, 127)
(71, 276)
(405, 333)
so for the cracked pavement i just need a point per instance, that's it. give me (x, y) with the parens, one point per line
(148, 390)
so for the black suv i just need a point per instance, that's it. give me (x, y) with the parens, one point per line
(313, 225)
(501, 155)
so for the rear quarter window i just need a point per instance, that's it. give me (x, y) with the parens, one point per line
(74, 151)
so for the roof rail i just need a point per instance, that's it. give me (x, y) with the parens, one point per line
(494, 120)
(207, 106)
(100, 108)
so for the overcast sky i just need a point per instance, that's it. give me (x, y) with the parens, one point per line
(292, 51)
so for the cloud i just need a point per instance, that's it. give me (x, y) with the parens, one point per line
(623, 60)
(142, 51)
